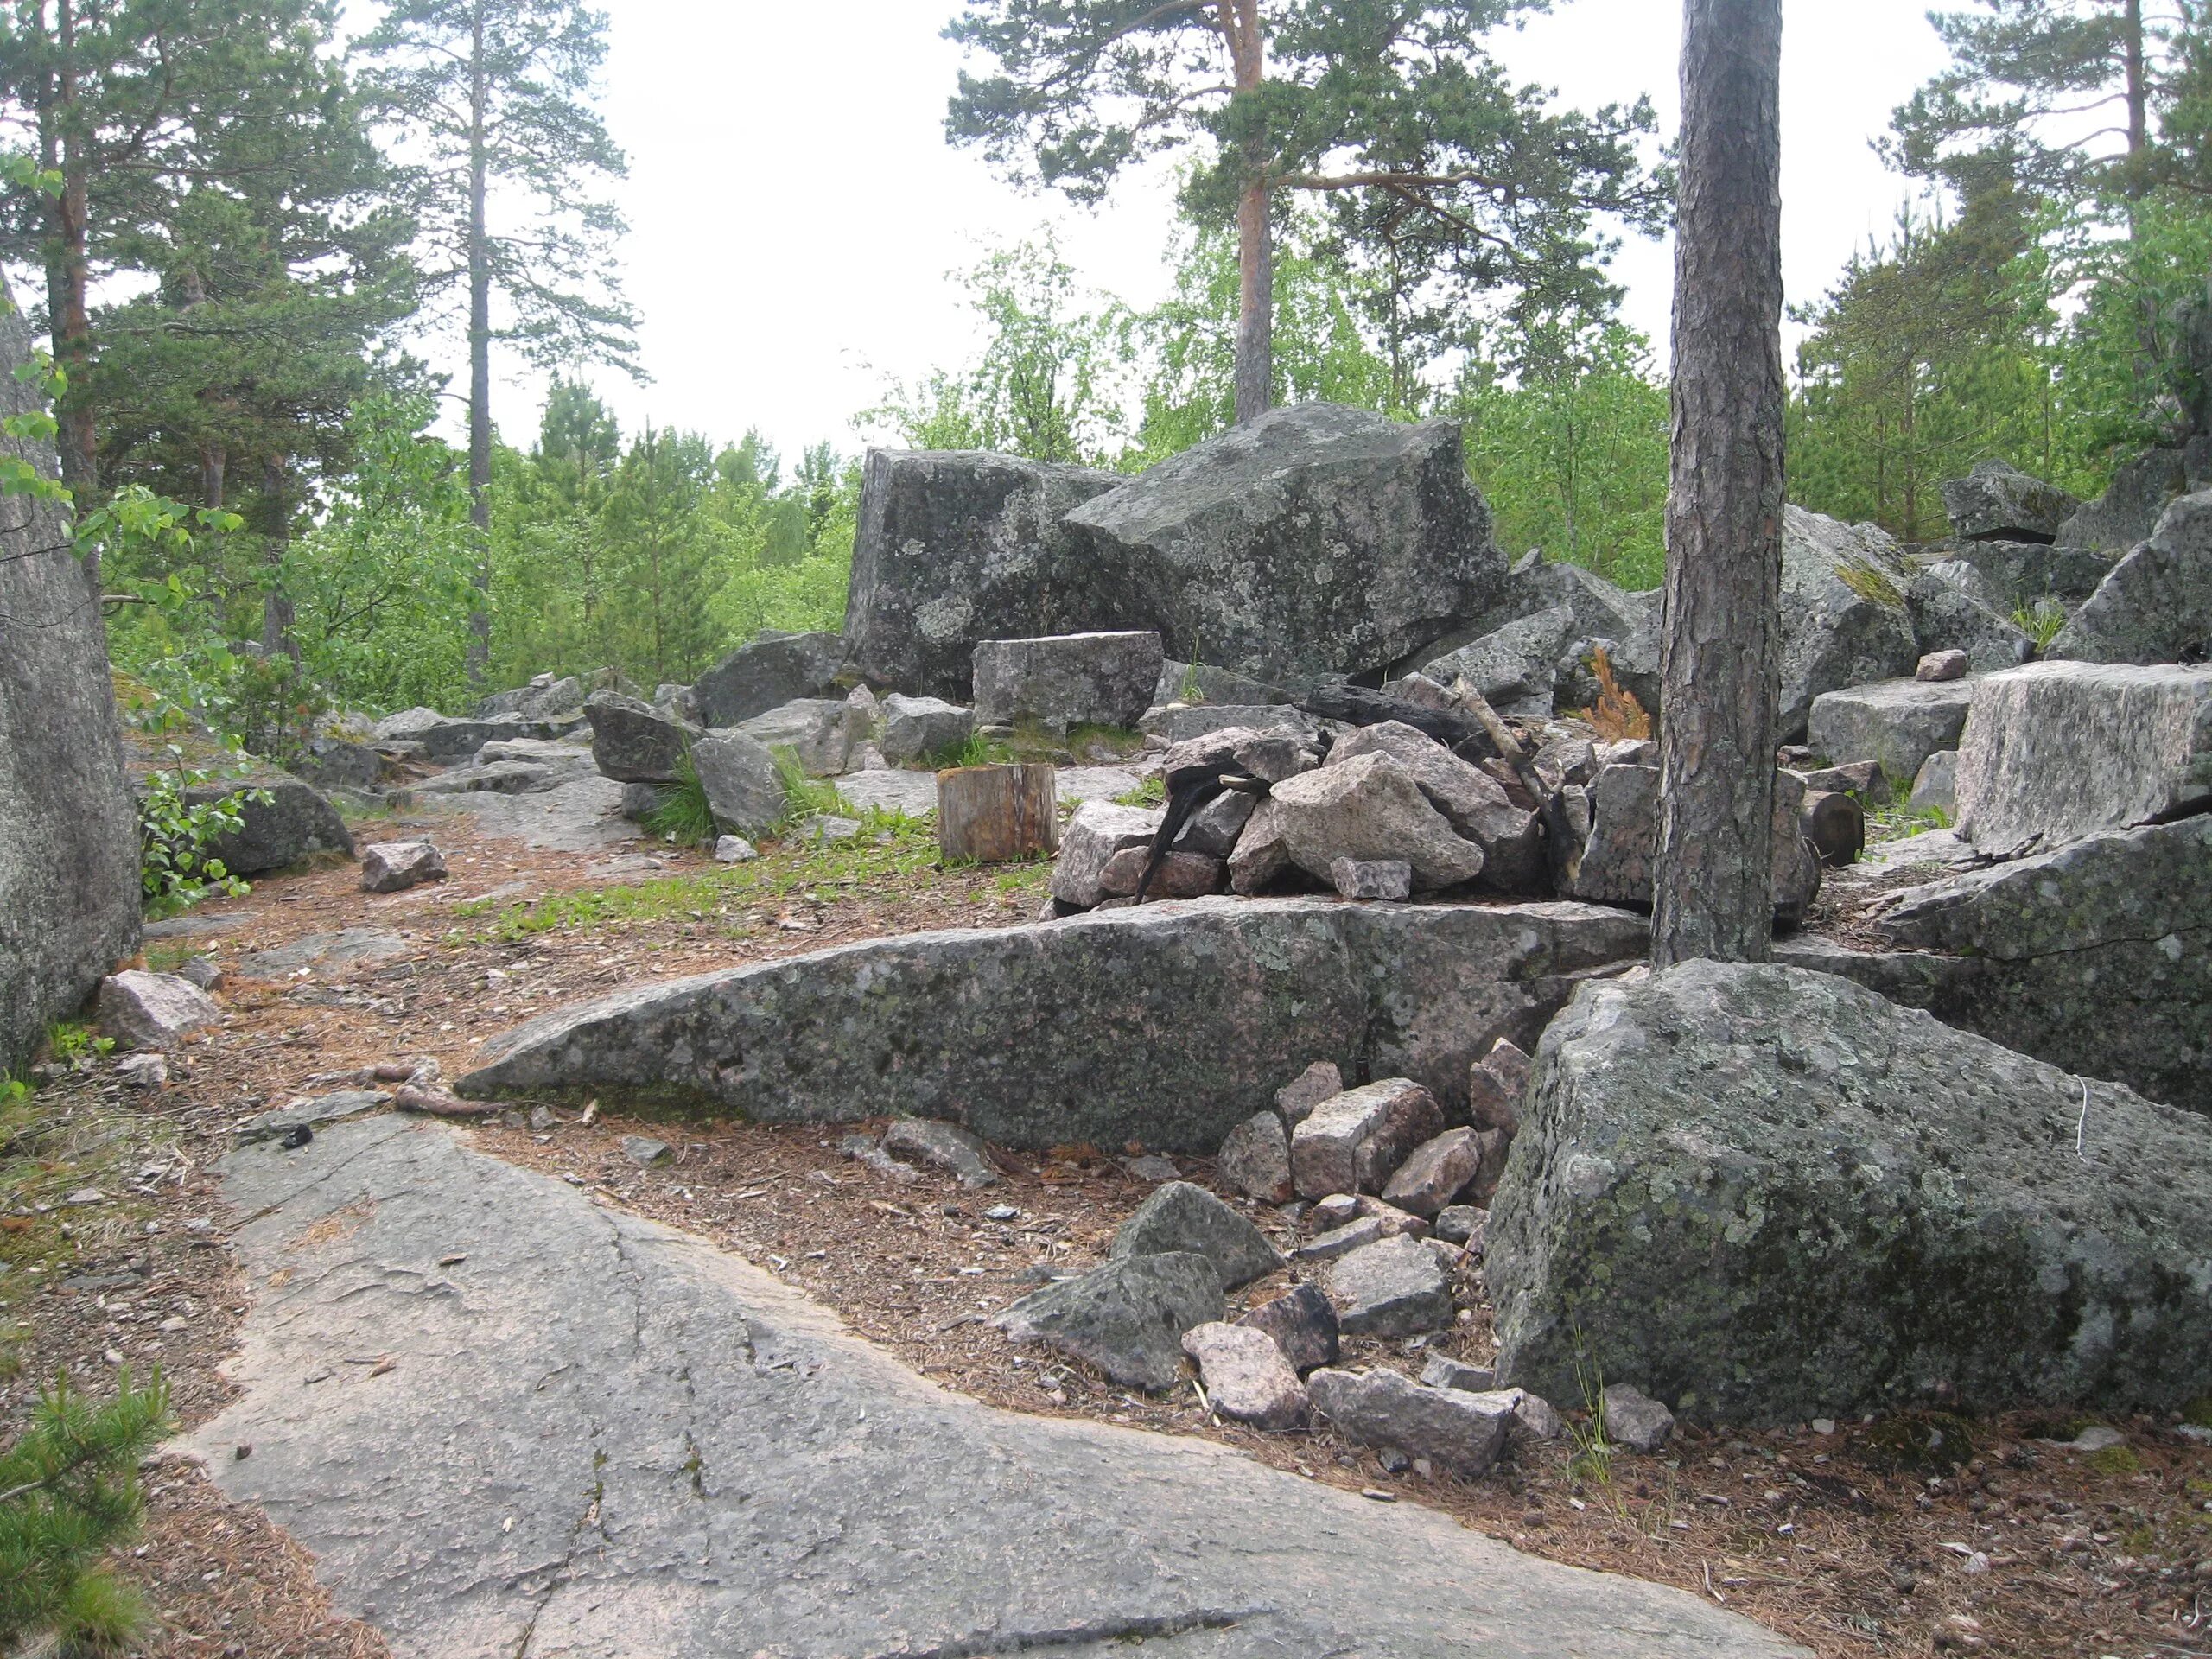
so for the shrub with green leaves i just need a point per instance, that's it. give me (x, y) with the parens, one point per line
(68, 1492)
(176, 868)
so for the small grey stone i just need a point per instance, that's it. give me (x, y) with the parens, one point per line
(153, 1011)
(395, 866)
(1215, 828)
(1633, 1419)
(1098, 831)
(1319, 1082)
(643, 1149)
(863, 1150)
(1395, 1288)
(1127, 1318)
(1152, 1167)
(919, 728)
(1461, 1433)
(1942, 665)
(143, 1071)
(1303, 1323)
(1378, 878)
(827, 829)
(1180, 876)
(203, 972)
(735, 849)
(1180, 1217)
(744, 789)
(1462, 1223)
(1440, 1372)
(1255, 1159)
(1937, 788)
(1246, 1375)
(942, 1146)
(1436, 1172)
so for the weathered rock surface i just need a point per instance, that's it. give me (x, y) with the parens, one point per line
(824, 733)
(1896, 723)
(1528, 653)
(1065, 680)
(2156, 606)
(313, 1113)
(2128, 512)
(1393, 1287)
(768, 674)
(1370, 808)
(1948, 618)
(1202, 683)
(916, 729)
(2097, 956)
(69, 894)
(1246, 1376)
(1498, 1086)
(1389, 880)
(2057, 751)
(1179, 1216)
(634, 743)
(1999, 502)
(295, 823)
(1169, 1024)
(1614, 864)
(1463, 1433)
(1472, 802)
(2014, 576)
(942, 1146)
(1180, 725)
(1127, 1318)
(1768, 1194)
(1098, 831)
(1935, 787)
(1296, 1099)
(743, 788)
(955, 547)
(1635, 1420)
(1314, 539)
(1255, 1160)
(154, 1011)
(712, 1412)
(1302, 1323)
(1435, 1172)
(1180, 876)
(395, 866)
(1845, 620)
(1215, 828)
(1352, 1142)
(348, 947)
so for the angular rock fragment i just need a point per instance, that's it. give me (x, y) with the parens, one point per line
(1941, 665)
(744, 789)
(153, 1011)
(1388, 1221)
(2057, 751)
(645, 1150)
(1462, 1224)
(1615, 861)
(1319, 1082)
(1395, 1288)
(1770, 1194)
(770, 673)
(1440, 1372)
(1633, 1419)
(823, 732)
(1182, 1216)
(1844, 620)
(1385, 880)
(1936, 787)
(294, 823)
(1098, 831)
(1370, 808)
(2156, 605)
(395, 866)
(634, 743)
(1463, 1434)
(1998, 501)
(1302, 1322)
(1127, 1318)
(1246, 1376)
(1255, 1159)
(1897, 723)
(1262, 852)
(1215, 828)
(942, 1146)
(918, 729)
(1497, 1085)
(1180, 876)
(1065, 680)
(1352, 1142)
(1436, 1172)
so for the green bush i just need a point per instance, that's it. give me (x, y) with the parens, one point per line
(176, 870)
(68, 1492)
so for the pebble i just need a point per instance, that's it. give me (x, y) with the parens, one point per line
(1001, 1212)
(643, 1149)
(1635, 1420)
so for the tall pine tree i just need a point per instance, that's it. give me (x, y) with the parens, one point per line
(494, 99)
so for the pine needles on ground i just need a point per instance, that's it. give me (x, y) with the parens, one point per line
(68, 1491)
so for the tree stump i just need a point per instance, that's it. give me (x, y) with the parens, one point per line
(993, 815)
(1835, 824)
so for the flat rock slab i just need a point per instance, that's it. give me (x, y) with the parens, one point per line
(1168, 1024)
(597, 1437)
(347, 948)
(584, 816)
(913, 793)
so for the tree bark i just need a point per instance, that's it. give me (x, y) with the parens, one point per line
(69, 262)
(1720, 654)
(1256, 250)
(277, 613)
(479, 659)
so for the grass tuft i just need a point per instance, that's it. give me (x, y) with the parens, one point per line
(683, 812)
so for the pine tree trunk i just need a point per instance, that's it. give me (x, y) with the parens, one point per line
(1720, 655)
(1256, 250)
(68, 264)
(277, 613)
(993, 815)
(479, 659)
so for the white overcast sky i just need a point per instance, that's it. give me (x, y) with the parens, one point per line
(795, 210)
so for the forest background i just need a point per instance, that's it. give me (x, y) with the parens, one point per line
(263, 239)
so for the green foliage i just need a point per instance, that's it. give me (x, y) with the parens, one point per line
(683, 813)
(176, 870)
(974, 750)
(68, 1493)
(69, 1041)
(2041, 622)
(1153, 791)
(1566, 438)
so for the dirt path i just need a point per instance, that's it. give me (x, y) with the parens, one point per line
(1844, 1543)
